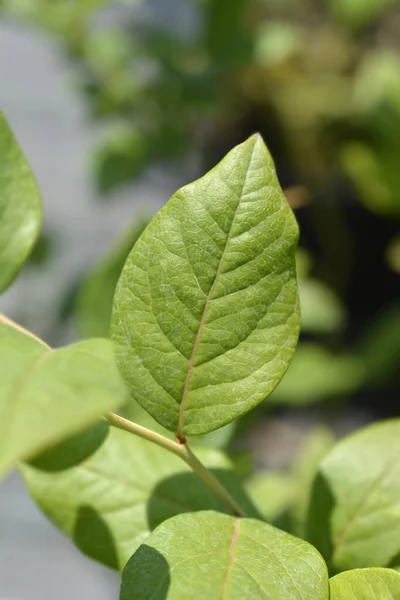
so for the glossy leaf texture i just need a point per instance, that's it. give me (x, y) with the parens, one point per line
(48, 395)
(206, 313)
(214, 556)
(365, 584)
(355, 505)
(110, 503)
(20, 207)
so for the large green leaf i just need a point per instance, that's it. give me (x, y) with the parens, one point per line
(366, 584)
(20, 207)
(111, 502)
(47, 395)
(95, 296)
(214, 556)
(354, 517)
(206, 310)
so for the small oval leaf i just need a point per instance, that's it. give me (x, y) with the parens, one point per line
(109, 504)
(206, 314)
(366, 584)
(20, 207)
(48, 395)
(355, 505)
(214, 556)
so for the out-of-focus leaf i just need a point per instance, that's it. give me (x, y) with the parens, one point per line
(209, 555)
(315, 374)
(95, 296)
(359, 13)
(228, 38)
(277, 41)
(272, 493)
(205, 315)
(315, 446)
(20, 207)
(48, 395)
(119, 159)
(355, 505)
(377, 178)
(321, 311)
(379, 347)
(365, 584)
(393, 254)
(109, 504)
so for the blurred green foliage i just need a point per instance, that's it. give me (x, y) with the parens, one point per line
(321, 80)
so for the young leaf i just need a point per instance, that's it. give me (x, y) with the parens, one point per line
(110, 503)
(366, 584)
(47, 395)
(214, 556)
(355, 505)
(206, 309)
(20, 207)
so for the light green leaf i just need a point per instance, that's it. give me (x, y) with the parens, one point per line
(354, 517)
(48, 395)
(20, 207)
(206, 310)
(273, 493)
(95, 297)
(111, 502)
(214, 556)
(321, 311)
(366, 584)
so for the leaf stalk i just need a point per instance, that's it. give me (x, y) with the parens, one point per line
(184, 452)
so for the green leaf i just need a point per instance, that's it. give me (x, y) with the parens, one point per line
(214, 556)
(316, 373)
(359, 14)
(73, 450)
(354, 512)
(20, 207)
(315, 446)
(48, 395)
(273, 493)
(321, 311)
(111, 502)
(366, 584)
(206, 310)
(95, 297)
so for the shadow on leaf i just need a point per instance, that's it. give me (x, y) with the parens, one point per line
(185, 492)
(93, 537)
(146, 575)
(320, 509)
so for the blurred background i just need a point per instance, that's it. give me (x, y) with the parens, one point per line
(116, 105)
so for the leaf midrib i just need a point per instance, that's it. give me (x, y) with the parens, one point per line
(206, 307)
